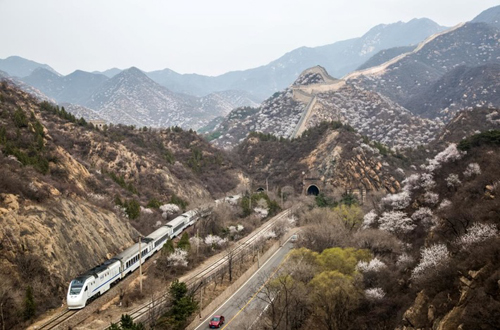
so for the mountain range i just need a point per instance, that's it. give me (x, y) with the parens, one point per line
(132, 98)
(338, 58)
(429, 70)
(393, 72)
(453, 70)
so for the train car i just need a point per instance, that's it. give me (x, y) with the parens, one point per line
(99, 279)
(159, 237)
(93, 283)
(192, 216)
(177, 225)
(129, 258)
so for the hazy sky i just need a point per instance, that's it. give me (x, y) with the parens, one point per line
(198, 36)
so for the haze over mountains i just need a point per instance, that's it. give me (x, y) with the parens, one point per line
(454, 70)
(165, 98)
(338, 58)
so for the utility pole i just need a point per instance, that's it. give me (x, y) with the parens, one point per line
(201, 299)
(197, 241)
(140, 263)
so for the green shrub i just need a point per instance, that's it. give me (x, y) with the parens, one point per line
(178, 201)
(20, 119)
(154, 204)
(132, 209)
(485, 138)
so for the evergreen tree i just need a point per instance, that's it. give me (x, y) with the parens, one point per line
(133, 209)
(29, 304)
(168, 248)
(184, 242)
(20, 119)
(127, 323)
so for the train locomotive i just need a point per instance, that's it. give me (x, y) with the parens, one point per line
(100, 279)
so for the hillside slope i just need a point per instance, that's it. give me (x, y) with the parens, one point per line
(316, 97)
(406, 79)
(330, 156)
(70, 195)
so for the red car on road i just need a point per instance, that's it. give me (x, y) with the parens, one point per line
(216, 321)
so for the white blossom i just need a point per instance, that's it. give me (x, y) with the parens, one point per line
(374, 293)
(96, 197)
(432, 257)
(397, 201)
(168, 209)
(239, 227)
(453, 181)
(472, 169)
(369, 220)
(396, 222)
(262, 212)
(427, 181)
(404, 260)
(178, 258)
(214, 240)
(270, 234)
(411, 183)
(451, 153)
(431, 198)
(444, 204)
(121, 210)
(146, 210)
(195, 241)
(32, 186)
(374, 265)
(425, 216)
(478, 232)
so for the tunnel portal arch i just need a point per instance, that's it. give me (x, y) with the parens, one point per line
(313, 190)
(260, 189)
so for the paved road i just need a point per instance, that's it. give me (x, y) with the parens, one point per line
(244, 307)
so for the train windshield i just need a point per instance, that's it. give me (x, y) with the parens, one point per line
(76, 287)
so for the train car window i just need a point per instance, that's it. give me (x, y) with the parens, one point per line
(85, 288)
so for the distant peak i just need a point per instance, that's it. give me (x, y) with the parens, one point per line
(315, 75)
(43, 71)
(134, 69)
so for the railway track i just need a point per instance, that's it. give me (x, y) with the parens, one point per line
(236, 251)
(58, 319)
(212, 270)
(141, 312)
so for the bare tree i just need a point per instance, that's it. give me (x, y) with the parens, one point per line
(323, 229)
(285, 302)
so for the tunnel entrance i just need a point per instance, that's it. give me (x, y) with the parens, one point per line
(313, 190)
(260, 189)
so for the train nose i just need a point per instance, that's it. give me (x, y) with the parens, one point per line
(75, 301)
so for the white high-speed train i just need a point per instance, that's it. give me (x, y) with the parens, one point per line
(98, 280)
